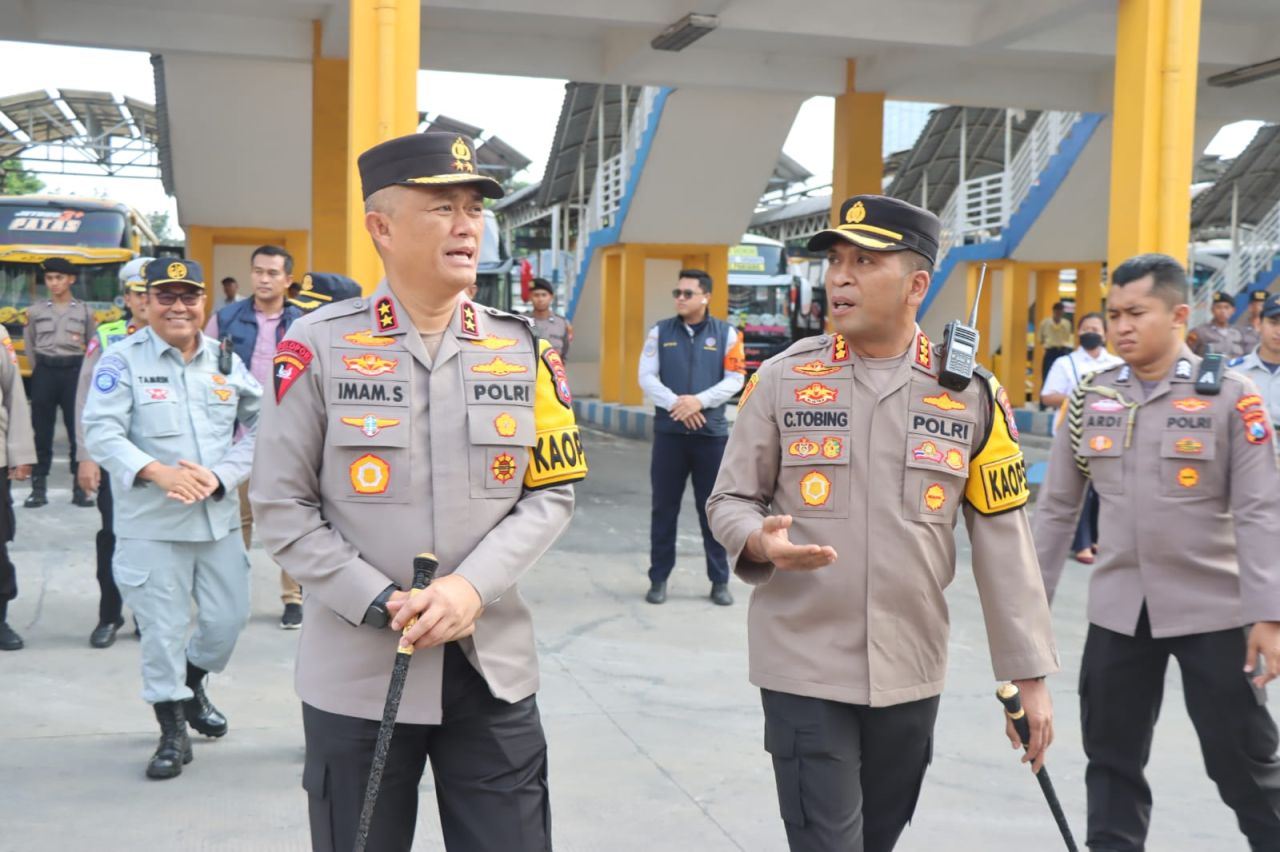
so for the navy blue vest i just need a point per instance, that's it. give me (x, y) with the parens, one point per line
(689, 365)
(239, 321)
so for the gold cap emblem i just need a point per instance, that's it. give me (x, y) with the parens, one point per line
(177, 270)
(306, 282)
(462, 156)
(856, 214)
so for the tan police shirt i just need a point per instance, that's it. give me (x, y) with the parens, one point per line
(1190, 501)
(58, 330)
(555, 330)
(18, 446)
(377, 452)
(1226, 340)
(879, 468)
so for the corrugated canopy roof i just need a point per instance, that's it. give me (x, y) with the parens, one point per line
(937, 152)
(1256, 173)
(94, 120)
(577, 137)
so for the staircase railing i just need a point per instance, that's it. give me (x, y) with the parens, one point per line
(981, 207)
(1256, 252)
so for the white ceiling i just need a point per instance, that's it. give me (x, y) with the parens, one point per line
(1033, 53)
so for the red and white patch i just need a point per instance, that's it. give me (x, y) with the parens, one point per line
(559, 377)
(158, 394)
(1003, 398)
(1107, 405)
(292, 358)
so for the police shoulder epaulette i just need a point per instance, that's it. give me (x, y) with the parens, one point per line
(804, 346)
(501, 314)
(334, 311)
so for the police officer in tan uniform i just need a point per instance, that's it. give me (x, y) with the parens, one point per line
(414, 420)
(837, 500)
(1182, 462)
(1219, 334)
(17, 452)
(551, 326)
(58, 330)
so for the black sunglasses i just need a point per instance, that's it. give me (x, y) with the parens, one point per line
(167, 298)
(677, 293)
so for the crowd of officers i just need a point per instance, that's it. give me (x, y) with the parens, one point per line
(415, 420)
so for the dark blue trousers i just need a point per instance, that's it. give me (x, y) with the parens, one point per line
(675, 457)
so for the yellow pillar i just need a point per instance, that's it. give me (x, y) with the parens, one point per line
(857, 164)
(382, 91)
(200, 246)
(611, 355)
(1046, 295)
(329, 161)
(633, 327)
(718, 269)
(973, 272)
(1089, 289)
(1015, 290)
(1153, 118)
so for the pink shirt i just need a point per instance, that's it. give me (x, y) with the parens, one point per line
(264, 348)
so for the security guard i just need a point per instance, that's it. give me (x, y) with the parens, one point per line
(160, 419)
(17, 454)
(550, 326)
(415, 420)
(1224, 338)
(845, 473)
(1181, 457)
(691, 365)
(1262, 364)
(58, 329)
(89, 475)
(317, 289)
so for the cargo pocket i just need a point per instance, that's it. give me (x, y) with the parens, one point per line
(1187, 470)
(500, 440)
(934, 481)
(780, 742)
(158, 418)
(1104, 451)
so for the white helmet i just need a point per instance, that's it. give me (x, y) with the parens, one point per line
(134, 271)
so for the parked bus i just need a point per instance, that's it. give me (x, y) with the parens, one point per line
(770, 306)
(97, 236)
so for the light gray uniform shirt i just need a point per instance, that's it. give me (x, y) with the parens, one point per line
(146, 404)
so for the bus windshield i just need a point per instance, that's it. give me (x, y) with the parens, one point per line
(757, 259)
(96, 283)
(61, 226)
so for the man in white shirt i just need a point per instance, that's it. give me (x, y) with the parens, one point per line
(1090, 356)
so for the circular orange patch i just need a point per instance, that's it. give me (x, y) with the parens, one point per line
(1188, 477)
(815, 489)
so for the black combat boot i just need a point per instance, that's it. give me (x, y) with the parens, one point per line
(37, 497)
(174, 750)
(200, 712)
(80, 497)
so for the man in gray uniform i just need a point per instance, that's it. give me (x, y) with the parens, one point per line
(17, 453)
(1182, 460)
(415, 420)
(550, 326)
(58, 329)
(160, 419)
(1224, 338)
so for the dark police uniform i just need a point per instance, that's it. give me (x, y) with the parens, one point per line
(850, 658)
(379, 450)
(1190, 502)
(56, 336)
(705, 361)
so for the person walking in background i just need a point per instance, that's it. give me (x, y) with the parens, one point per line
(1055, 337)
(58, 329)
(691, 365)
(1089, 357)
(89, 474)
(255, 328)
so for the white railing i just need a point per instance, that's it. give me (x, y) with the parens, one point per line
(612, 175)
(1256, 252)
(981, 207)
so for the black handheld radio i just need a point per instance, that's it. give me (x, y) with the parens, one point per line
(960, 346)
(1209, 378)
(224, 355)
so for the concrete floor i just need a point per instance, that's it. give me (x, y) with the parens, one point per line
(655, 734)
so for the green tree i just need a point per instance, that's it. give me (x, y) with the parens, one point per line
(159, 222)
(17, 180)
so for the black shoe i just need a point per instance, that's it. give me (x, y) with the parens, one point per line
(104, 635)
(37, 497)
(657, 593)
(200, 713)
(174, 750)
(720, 594)
(80, 498)
(137, 631)
(292, 617)
(9, 640)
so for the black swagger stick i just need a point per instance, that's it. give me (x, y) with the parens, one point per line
(1012, 701)
(424, 570)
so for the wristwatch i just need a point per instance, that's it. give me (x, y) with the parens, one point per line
(377, 615)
